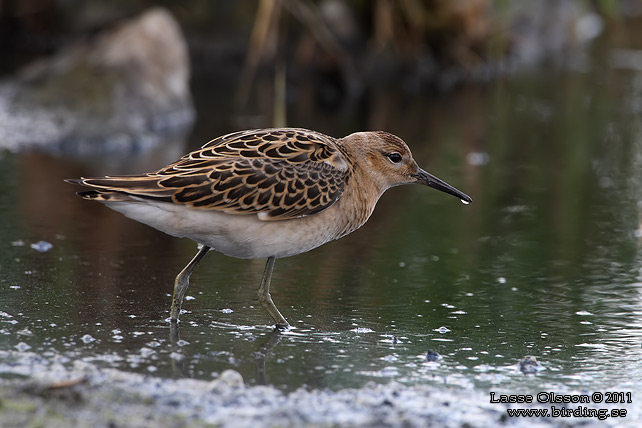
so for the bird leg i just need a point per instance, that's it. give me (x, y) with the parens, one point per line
(182, 281)
(266, 300)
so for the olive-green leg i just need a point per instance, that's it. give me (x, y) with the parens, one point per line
(266, 300)
(182, 282)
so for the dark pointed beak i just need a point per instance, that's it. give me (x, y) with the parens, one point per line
(428, 179)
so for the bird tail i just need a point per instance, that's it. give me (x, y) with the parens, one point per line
(122, 188)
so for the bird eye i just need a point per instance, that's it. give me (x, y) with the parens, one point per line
(394, 157)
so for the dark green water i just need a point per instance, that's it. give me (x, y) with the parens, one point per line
(545, 262)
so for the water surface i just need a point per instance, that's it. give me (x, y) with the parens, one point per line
(545, 262)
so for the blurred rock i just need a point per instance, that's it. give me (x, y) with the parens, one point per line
(229, 380)
(529, 365)
(125, 89)
(433, 355)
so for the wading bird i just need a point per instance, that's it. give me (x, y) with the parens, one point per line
(265, 194)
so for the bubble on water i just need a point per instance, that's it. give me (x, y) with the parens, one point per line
(177, 356)
(362, 330)
(442, 329)
(42, 246)
(477, 158)
(589, 26)
(146, 352)
(22, 347)
(88, 338)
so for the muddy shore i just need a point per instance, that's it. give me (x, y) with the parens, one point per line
(37, 392)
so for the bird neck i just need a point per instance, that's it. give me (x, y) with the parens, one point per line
(359, 200)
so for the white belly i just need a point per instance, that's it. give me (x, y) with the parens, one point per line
(241, 236)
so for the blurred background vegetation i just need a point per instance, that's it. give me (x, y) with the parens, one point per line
(346, 45)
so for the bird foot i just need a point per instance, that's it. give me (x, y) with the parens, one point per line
(282, 327)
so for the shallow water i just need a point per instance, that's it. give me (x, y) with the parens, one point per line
(545, 262)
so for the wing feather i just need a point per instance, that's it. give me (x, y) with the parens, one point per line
(275, 173)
